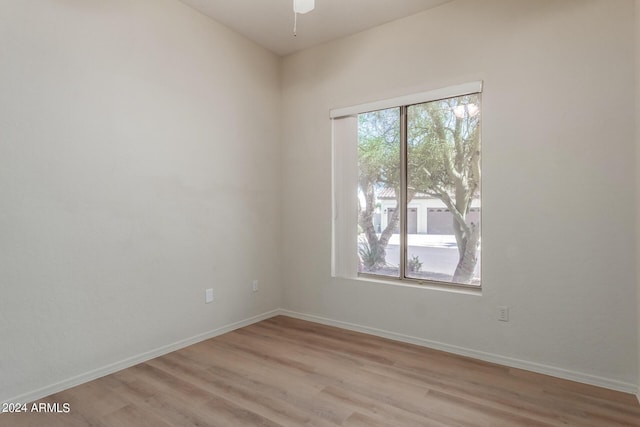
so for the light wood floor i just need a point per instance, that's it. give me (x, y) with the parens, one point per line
(284, 371)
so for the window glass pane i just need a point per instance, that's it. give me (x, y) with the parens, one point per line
(443, 194)
(379, 192)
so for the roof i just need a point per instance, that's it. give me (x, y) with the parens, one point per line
(390, 193)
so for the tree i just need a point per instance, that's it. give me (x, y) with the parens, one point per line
(379, 168)
(443, 161)
(443, 151)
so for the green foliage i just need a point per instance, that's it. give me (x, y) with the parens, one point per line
(414, 265)
(379, 149)
(371, 255)
(444, 147)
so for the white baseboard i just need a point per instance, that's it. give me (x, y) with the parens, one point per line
(134, 360)
(487, 357)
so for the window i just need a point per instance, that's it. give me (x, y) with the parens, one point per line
(418, 188)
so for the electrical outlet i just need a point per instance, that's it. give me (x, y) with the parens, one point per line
(503, 314)
(208, 296)
(254, 286)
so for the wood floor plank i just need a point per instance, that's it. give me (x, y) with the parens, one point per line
(384, 412)
(241, 391)
(289, 372)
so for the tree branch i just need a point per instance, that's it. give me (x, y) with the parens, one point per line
(446, 199)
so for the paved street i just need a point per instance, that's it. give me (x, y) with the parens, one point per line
(437, 253)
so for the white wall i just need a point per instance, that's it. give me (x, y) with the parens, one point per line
(557, 134)
(139, 165)
(637, 56)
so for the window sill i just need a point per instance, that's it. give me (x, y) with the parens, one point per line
(429, 285)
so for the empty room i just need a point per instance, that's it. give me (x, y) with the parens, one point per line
(320, 212)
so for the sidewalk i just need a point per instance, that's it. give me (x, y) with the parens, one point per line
(427, 240)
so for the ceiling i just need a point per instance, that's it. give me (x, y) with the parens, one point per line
(270, 22)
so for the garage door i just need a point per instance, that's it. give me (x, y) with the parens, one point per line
(412, 224)
(440, 220)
